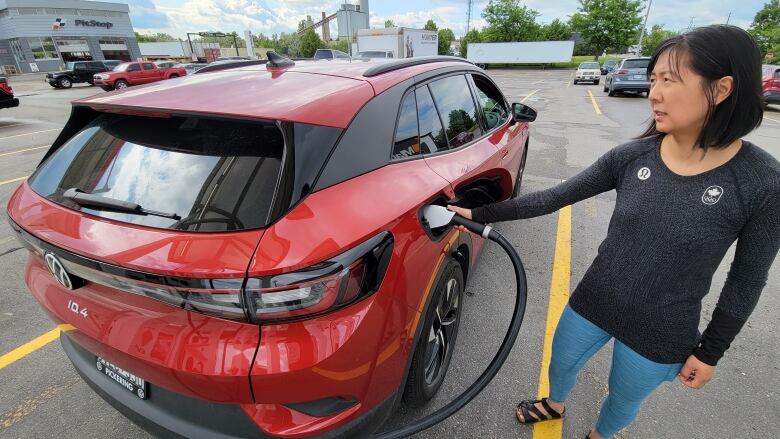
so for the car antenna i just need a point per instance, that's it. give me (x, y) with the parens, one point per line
(275, 60)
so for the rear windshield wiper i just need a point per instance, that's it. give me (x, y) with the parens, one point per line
(90, 200)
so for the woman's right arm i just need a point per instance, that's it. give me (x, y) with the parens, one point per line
(597, 178)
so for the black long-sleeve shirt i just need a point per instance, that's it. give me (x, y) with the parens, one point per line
(667, 235)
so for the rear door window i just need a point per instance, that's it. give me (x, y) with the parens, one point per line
(134, 68)
(148, 66)
(407, 142)
(207, 174)
(458, 111)
(432, 137)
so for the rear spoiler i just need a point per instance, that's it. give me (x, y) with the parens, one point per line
(80, 116)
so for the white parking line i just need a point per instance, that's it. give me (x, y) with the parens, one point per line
(29, 134)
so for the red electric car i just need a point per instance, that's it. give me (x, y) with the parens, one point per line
(241, 253)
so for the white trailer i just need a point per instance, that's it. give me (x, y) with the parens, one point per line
(536, 52)
(404, 42)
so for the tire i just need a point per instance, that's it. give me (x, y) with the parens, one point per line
(423, 382)
(64, 83)
(173, 76)
(575, 82)
(606, 88)
(91, 83)
(611, 91)
(597, 82)
(106, 88)
(120, 84)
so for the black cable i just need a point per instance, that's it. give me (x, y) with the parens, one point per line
(503, 351)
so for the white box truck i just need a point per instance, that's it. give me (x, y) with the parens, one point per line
(536, 52)
(403, 42)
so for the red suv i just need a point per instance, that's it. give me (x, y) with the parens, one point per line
(242, 253)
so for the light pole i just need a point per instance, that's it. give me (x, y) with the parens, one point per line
(644, 26)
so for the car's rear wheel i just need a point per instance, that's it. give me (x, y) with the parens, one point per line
(433, 352)
(611, 91)
(575, 82)
(120, 84)
(106, 88)
(64, 83)
(606, 88)
(173, 76)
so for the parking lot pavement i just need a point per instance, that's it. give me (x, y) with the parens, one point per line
(43, 396)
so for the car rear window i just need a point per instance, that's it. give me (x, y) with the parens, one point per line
(636, 63)
(590, 65)
(213, 174)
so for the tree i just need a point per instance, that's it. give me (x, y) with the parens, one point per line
(656, 36)
(508, 21)
(446, 37)
(430, 25)
(310, 42)
(289, 44)
(265, 42)
(608, 24)
(389, 23)
(766, 29)
(154, 38)
(226, 41)
(342, 45)
(557, 30)
(473, 36)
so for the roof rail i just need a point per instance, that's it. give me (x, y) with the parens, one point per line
(231, 65)
(409, 62)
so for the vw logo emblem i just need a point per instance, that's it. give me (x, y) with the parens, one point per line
(58, 271)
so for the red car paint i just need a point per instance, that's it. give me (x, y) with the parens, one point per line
(7, 98)
(360, 352)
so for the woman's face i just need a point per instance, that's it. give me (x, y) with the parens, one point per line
(678, 101)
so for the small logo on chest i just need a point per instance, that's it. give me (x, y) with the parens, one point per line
(712, 195)
(643, 173)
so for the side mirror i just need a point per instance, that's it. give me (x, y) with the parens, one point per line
(523, 113)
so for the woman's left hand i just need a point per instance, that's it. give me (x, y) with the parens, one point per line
(695, 373)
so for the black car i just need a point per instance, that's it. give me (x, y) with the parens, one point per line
(76, 72)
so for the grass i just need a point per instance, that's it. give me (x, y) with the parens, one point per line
(573, 64)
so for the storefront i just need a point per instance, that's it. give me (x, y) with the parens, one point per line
(42, 35)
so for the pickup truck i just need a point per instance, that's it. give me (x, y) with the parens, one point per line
(7, 98)
(135, 73)
(76, 72)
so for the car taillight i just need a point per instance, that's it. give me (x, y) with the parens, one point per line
(622, 72)
(327, 286)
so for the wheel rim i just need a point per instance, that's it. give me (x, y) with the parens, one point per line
(121, 85)
(65, 83)
(442, 332)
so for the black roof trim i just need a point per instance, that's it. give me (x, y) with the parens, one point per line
(409, 62)
(231, 65)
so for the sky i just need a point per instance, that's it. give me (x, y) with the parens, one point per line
(177, 17)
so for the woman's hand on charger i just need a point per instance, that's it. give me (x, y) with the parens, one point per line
(466, 213)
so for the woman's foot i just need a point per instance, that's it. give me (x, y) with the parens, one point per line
(531, 411)
(593, 435)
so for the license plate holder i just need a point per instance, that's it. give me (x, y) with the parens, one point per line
(132, 383)
(638, 77)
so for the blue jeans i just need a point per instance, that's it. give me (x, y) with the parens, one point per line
(631, 379)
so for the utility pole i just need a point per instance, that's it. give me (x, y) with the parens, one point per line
(690, 25)
(468, 16)
(642, 32)
(728, 19)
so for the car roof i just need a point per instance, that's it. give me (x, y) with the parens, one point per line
(298, 93)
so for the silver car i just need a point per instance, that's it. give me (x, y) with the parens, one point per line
(629, 76)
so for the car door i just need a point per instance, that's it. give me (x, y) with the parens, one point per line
(453, 139)
(80, 72)
(150, 72)
(134, 74)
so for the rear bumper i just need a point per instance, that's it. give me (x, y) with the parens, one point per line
(638, 86)
(9, 102)
(772, 97)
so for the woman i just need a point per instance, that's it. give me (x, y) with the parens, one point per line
(686, 190)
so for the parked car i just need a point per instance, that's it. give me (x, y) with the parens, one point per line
(608, 66)
(330, 54)
(7, 99)
(771, 87)
(371, 54)
(191, 68)
(629, 76)
(135, 73)
(165, 64)
(237, 262)
(589, 72)
(76, 72)
(111, 63)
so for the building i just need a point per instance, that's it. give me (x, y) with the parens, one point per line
(351, 18)
(42, 35)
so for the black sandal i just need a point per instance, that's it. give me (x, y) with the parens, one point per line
(528, 406)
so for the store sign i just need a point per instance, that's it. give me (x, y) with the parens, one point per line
(93, 23)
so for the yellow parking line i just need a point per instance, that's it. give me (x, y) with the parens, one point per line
(13, 180)
(29, 134)
(529, 95)
(33, 345)
(595, 105)
(23, 150)
(559, 295)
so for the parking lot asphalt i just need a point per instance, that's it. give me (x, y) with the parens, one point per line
(44, 397)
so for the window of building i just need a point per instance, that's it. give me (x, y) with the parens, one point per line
(457, 109)
(107, 40)
(31, 11)
(16, 49)
(42, 48)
